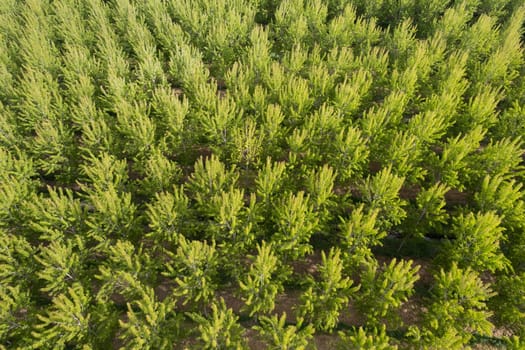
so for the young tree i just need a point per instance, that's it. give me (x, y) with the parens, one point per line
(458, 308)
(359, 234)
(67, 321)
(56, 216)
(509, 302)
(502, 157)
(220, 330)
(193, 269)
(476, 242)
(209, 178)
(450, 167)
(247, 144)
(160, 173)
(114, 211)
(17, 264)
(320, 186)
(150, 324)
(54, 149)
(350, 153)
(323, 301)
(16, 185)
(261, 285)
(428, 215)
(384, 290)
(506, 199)
(270, 181)
(167, 216)
(377, 339)
(15, 317)
(230, 225)
(280, 336)
(125, 272)
(296, 222)
(381, 193)
(60, 265)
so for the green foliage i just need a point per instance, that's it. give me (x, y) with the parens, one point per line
(501, 66)
(323, 301)
(514, 343)
(384, 290)
(150, 324)
(350, 153)
(429, 214)
(476, 242)
(458, 307)
(448, 166)
(124, 272)
(502, 196)
(207, 21)
(160, 173)
(209, 178)
(193, 269)
(220, 330)
(16, 186)
(509, 303)
(280, 336)
(404, 155)
(360, 339)
(350, 30)
(155, 155)
(227, 211)
(359, 235)
(14, 307)
(54, 149)
(166, 215)
(348, 94)
(502, 157)
(66, 322)
(261, 284)
(114, 215)
(481, 110)
(320, 186)
(170, 111)
(247, 144)
(296, 222)
(16, 259)
(381, 193)
(58, 263)
(511, 122)
(57, 216)
(270, 181)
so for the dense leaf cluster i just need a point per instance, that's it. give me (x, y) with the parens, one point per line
(232, 174)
